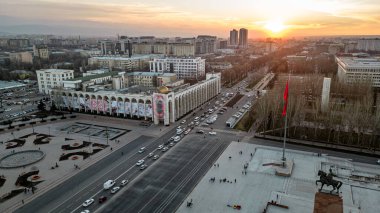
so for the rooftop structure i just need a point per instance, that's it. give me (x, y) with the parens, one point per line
(6, 86)
(184, 68)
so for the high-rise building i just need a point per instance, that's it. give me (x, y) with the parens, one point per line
(205, 44)
(234, 37)
(243, 37)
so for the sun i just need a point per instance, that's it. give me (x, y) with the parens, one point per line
(275, 26)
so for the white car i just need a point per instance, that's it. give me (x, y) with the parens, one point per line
(156, 157)
(108, 184)
(85, 211)
(140, 162)
(150, 155)
(142, 149)
(171, 144)
(378, 161)
(88, 202)
(165, 149)
(177, 138)
(196, 123)
(160, 147)
(115, 189)
(212, 133)
(184, 121)
(124, 182)
(7, 110)
(142, 167)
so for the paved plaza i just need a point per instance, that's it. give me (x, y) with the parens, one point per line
(258, 184)
(63, 149)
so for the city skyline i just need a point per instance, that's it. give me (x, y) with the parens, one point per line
(291, 18)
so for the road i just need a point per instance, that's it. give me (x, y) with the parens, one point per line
(164, 186)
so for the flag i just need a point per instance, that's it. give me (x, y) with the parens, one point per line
(285, 98)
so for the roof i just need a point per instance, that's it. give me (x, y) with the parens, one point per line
(352, 62)
(54, 70)
(87, 78)
(151, 74)
(10, 85)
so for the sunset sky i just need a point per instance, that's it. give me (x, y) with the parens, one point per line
(190, 18)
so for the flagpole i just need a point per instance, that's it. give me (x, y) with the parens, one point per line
(286, 120)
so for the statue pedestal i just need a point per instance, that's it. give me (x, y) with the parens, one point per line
(286, 170)
(327, 203)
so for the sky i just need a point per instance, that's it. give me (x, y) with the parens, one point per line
(170, 18)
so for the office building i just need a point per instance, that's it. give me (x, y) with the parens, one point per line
(41, 51)
(351, 70)
(205, 44)
(107, 47)
(234, 37)
(184, 68)
(149, 79)
(135, 62)
(52, 78)
(372, 44)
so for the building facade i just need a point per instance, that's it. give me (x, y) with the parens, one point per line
(184, 68)
(351, 70)
(52, 78)
(234, 37)
(205, 44)
(369, 44)
(21, 57)
(243, 37)
(149, 79)
(126, 63)
(165, 106)
(41, 51)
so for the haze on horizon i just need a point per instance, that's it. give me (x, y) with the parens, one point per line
(279, 18)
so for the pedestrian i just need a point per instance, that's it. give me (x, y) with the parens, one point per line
(251, 155)
(242, 172)
(39, 148)
(217, 164)
(214, 165)
(235, 180)
(22, 201)
(111, 148)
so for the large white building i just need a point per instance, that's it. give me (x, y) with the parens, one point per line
(136, 62)
(183, 67)
(51, 78)
(351, 69)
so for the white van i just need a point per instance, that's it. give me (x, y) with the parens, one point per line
(108, 184)
(196, 119)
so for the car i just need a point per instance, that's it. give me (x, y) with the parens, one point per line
(142, 167)
(140, 162)
(102, 199)
(179, 131)
(160, 147)
(177, 138)
(142, 149)
(88, 202)
(196, 119)
(85, 211)
(124, 182)
(156, 157)
(249, 96)
(171, 139)
(150, 154)
(115, 189)
(190, 124)
(183, 121)
(187, 131)
(200, 131)
(108, 184)
(8, 109)
(378, 161)
(197, 123)
(207, 116)
(202, 119)
(204, 124)
(212, 133)
(165, 149)
(179, 127)
(171, 144)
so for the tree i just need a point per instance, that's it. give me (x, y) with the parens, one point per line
(53, 107)
(41, 106)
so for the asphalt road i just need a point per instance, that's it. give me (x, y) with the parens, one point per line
(163, 187)
(72, 192)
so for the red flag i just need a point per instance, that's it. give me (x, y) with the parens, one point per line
(285, 98)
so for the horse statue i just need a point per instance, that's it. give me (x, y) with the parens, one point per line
(327, 179)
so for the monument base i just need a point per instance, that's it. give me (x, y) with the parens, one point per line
(327, 203)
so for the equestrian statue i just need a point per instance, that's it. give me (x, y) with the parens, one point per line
(327, 179)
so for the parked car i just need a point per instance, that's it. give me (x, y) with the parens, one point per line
(183, 121)
(177, 138)
(165, 149)
(160, 147)
(150, 155)
(171, 144)
(142, 167)
(200, 131)
(102, 199)
(88, 202)
(156, 157)
(212, 133)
